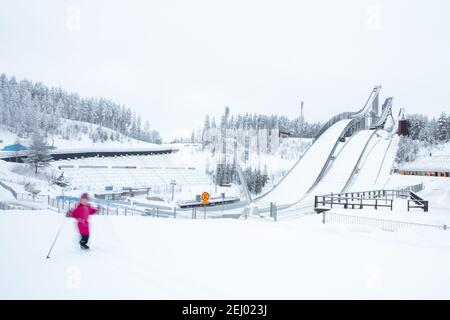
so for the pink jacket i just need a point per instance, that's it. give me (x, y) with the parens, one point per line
(82, 213)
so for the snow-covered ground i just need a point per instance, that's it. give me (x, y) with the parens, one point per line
(141, 257)
(429, 159)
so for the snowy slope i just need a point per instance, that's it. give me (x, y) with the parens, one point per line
(76, 134)
(304, 173)
(139, 257)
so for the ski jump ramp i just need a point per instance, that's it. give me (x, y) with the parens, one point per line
(346, 155)
(297, 182)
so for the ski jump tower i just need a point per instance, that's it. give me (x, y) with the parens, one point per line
(375, 109)
(372, 113)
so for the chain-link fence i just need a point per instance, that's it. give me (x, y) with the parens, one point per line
(383, 224)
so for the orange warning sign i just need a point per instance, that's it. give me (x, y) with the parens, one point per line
(205, 198)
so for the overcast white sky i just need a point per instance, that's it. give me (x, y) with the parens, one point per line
(174, 61)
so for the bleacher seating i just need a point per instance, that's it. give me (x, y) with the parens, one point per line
(150, 171)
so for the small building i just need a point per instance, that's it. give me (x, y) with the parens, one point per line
(423, 172)
(403, 127)
(15, 147)
(285, 134)
(434, 166)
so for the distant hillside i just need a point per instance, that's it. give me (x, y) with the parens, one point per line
(77, 134)
(27, 107)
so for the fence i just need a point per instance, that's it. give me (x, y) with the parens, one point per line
(417, 202)
(353, 201)
(160, 213)
(373, 198)
(31, 197)
(66, 204)
(386, 225)
(413, 188)
(7, 206)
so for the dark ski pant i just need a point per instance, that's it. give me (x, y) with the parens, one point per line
(84, 239)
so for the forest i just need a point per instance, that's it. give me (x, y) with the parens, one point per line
(424, 132)
(27, 108)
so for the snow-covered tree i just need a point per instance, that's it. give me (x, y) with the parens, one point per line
(443, 128)
(38, 155)
(61, 181)
(407, 150)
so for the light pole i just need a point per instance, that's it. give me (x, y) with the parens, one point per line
(173, 183)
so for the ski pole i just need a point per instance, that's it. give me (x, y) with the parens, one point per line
(56, 238)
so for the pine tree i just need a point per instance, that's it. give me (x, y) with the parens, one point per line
(61, 181)
(38, 155)
(443, 128)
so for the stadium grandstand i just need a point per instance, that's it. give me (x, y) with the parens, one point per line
(157, 172)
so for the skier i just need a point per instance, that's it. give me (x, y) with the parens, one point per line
(82, 212)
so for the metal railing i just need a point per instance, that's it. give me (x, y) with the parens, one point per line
(352, 202)
(417, 202)
(64, 205)
(383, 224)
(373, 198)
(387, 110)
(23, 153)
(7, 206)
(414, 188)
(32, 197)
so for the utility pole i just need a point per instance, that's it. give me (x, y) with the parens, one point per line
(302, 119)
(224, 137)
(173, 183)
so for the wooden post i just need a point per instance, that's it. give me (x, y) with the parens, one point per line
(376, 203)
